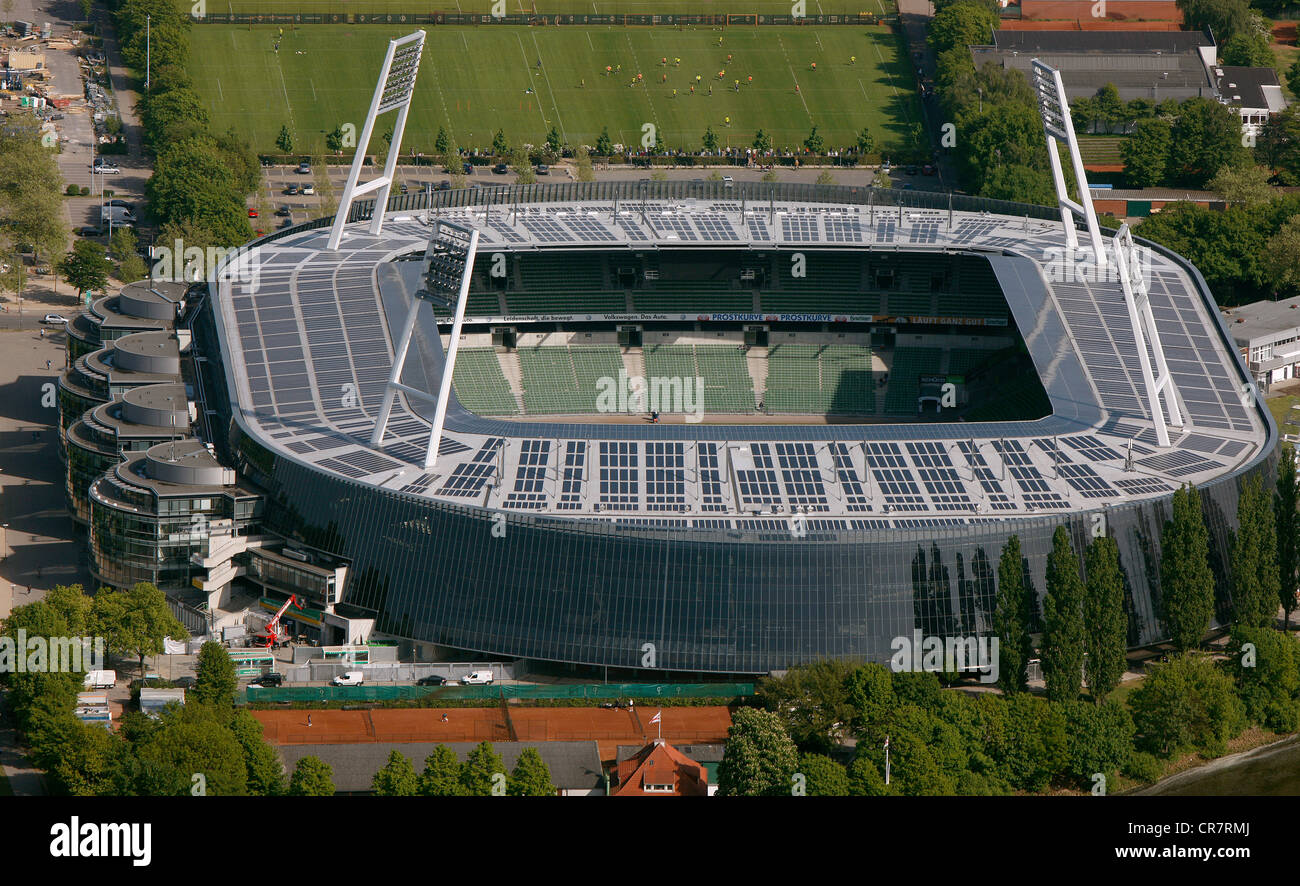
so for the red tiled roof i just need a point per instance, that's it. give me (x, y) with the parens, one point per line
(660, 770)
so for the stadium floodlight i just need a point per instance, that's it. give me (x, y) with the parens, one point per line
(1132, 271)
(1059, 128)
(448, 261)
(392, 93)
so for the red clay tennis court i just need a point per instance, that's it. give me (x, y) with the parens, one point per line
(681, 725)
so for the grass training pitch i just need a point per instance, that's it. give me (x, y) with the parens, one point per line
(476, 80)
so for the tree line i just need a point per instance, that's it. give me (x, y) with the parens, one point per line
(940, 742)
(201, 178)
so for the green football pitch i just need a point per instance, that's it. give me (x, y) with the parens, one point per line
(475, 80)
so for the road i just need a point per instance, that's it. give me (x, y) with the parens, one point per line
(39, 544)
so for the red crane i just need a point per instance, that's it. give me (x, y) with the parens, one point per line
(273, 626)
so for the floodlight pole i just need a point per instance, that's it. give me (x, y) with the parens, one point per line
(444, 391)
(391, 94)
(1054, 108)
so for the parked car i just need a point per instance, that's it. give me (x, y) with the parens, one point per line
(292, 190)
(308, 190)
(89, 231)
(270, 678)
(105, 169)
(121, 204)
(283, 211)
(54, 319)
(467, 168)
(444, 185)
(252, 213)
(349, 678)
(431, 680)
(401, 187)
(304, 168)
(477, 678)
(543, 169)
(185, 682)
(501, 169)
(928, 169)
(728, 182)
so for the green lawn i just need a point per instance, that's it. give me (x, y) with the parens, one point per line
(557, 7)
(474, 80)
(1281, 409)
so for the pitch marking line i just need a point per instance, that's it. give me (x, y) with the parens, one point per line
(547, 77)
(529, 70)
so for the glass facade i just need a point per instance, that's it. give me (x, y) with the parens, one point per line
(699, 600)
(138, 535)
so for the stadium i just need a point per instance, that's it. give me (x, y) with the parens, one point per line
(866, 392)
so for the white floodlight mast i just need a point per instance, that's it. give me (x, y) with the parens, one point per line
(1059, 128)
(1054, 107)
(392, 93)
(469, 237)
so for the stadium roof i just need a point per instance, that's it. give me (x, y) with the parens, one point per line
(316, 322)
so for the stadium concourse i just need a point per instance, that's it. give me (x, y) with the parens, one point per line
(707, 547)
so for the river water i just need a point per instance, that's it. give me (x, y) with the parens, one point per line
(1272, 772)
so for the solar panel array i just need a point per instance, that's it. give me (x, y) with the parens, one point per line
(313, 342)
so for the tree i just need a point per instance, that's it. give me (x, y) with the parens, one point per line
(455, 165)
(582, 160)
(440, 142)
(523, 167)
(1011, 619)
(710, 140)
(90, 762)
(483, 769)
(1186, 583)
(1104, 619)
(1284, 508)
(192, 739)
(1247, 50)
(864, 141)
(71, 602)
(553, 142)
(215, 678)
(262, 763)
(759, 758)
(823, 777)
(531, 777)
(963, 23)
(882, 180)
(136, 621)
(1064, 637)
(312, 777)
(1099, 739)
(334, 140)
(1254, 557)
(396, 779)
(604, 146)
(1186, 703)
(1266, 665)
(1224, 17)
(813, 701)
(825, 177)
(86, 266)
(1282, 264)
(1245, 184)
(762, 141)
(441, 776)
(500, 147)
(1278, 146)
(814, 143)
(1205, 138)
(1018, 183)
(1146, 152)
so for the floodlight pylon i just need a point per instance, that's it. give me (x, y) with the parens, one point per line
(1054, 108)
(393, 92)
(448, 262)
(1130, 267)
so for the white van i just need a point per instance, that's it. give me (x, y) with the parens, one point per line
(349, 678)
(100, 679)
(477, 678)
